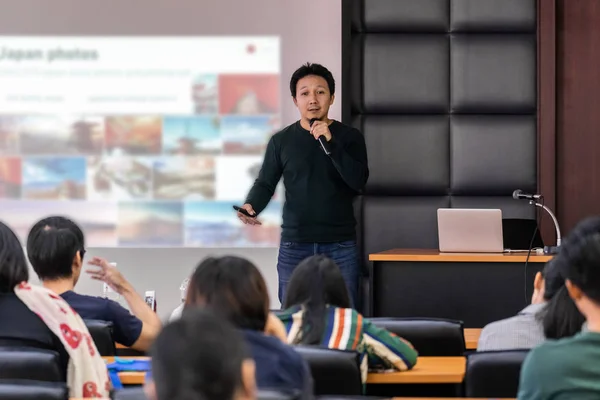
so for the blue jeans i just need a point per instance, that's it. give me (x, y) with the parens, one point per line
(345, 255)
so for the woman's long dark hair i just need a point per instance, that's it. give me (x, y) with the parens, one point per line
(13, 266)
(315, 283)
(232, 287)
(560, 317)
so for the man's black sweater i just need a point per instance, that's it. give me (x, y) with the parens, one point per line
(319, 189)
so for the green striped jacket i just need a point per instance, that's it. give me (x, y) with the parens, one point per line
(346, 329)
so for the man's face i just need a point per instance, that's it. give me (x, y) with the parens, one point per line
(313, 97)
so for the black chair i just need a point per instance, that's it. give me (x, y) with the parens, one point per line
(518, 234)
(334, 372)
(135, 393)
(429, 336)
(30, 364)
(265, 394)
(32, 390)
(494, 373)
(102, 335)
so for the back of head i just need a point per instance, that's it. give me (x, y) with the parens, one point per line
(583, 267)
(579, 261)
(51, 252)
(198, 357)
(232, 287)
(315, 283)
(13, 266)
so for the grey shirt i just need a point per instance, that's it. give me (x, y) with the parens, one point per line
(523, 331)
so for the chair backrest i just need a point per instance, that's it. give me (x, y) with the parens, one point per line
(31, 364)
(266, 394)
(32, 390)
(430, 336)
(334, 372)
(102, 335)
(494, 373)
(133, 393)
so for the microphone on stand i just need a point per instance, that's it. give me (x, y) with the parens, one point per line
(322, 140)
(533, 200)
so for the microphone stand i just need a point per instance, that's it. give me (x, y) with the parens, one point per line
(550, 249)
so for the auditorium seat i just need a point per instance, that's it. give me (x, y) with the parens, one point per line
(494, 373)
(30, 364)
(334, 372)
(102, 335)
(32, 390)
(429, 336)
(133, 393)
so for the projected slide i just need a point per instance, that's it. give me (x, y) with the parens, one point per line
(144, 141)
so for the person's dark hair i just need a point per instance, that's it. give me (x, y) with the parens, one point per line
(560, 317)
(232, 287)
(198, 357)
(316, 283)
(60, 222)
(51, 252)
(312, 69)
(13, 265)
(583, 269)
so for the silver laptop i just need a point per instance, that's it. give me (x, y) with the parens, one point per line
(463, 230)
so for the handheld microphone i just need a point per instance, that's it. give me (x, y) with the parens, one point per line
(519, 195)
(322, 140)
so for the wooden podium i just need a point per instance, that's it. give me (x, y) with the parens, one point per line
(476, 288)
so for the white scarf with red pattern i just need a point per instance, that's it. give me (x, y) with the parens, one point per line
(87, 376)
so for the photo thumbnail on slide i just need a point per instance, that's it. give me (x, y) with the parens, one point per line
(160, 144)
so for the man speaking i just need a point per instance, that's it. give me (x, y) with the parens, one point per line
(324, 166)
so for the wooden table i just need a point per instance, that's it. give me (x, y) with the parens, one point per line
(472, 338)
(427, 370)
(476, 288)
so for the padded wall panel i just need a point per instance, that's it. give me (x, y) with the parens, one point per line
(411, 64)
(401, 222)
(493, 155)
(510, 208)
(493, 73)
(401, 15)
(420, 160)
(493, 15)
(404, 74)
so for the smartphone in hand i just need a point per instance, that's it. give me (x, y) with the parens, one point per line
(243, 211)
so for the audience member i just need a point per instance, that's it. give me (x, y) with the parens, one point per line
(212, 365)
(36, 317)
(234, 288)
(318, 312)
(525, 330)
(55, 247)
(569, 368)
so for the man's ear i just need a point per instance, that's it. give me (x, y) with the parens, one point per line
(295, 101)
(248, 388)
(332, 99)
(575, 293)
(77, 261)
(538, 281)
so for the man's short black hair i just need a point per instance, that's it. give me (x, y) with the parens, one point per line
(51, 252)
(199, 356)
(582, 258)
(312, 69)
